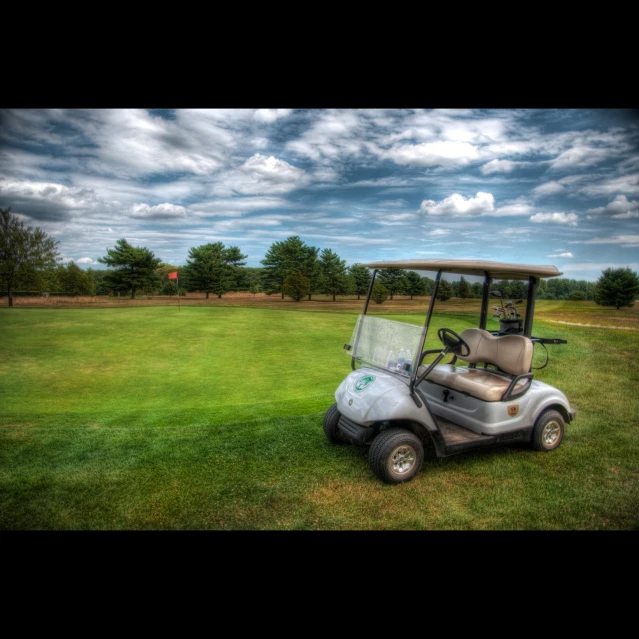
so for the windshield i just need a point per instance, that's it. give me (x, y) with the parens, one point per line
(386, 343)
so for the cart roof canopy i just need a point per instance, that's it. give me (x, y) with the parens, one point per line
(496, 270)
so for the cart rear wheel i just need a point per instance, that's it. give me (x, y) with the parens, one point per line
(549, 431)
(332, 432)
(396, 455)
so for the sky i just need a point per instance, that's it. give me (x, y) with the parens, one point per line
(530, 186)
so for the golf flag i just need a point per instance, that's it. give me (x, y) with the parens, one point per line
(173, 275)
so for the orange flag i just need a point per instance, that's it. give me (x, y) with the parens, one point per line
(173, 276)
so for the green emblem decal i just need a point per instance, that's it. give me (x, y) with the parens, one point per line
(364, 382)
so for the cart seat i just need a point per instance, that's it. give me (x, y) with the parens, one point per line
(478, 382)
(512, 354)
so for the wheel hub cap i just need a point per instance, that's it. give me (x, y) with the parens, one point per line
(403, 459)
(551, 433)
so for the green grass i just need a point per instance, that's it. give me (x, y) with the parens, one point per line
(211, 418)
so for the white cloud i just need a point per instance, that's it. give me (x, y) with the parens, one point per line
(619, 208)
(444, 153)
(457, 205)
(560, 255)
(259, 143)
(548, 188)
(516, 207)
(628, 184)
(270, 115)
(555, 218)
(622, 240)
(261, 175)
(334, 134)
(159, 212)
(86, 260)
(500, 166)
(580, 156)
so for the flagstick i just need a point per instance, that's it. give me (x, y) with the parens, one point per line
(178, 285)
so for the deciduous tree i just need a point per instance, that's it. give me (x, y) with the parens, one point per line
(296, 286)
(25, 252)
(617, 287)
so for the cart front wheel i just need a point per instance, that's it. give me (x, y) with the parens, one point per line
(549, 431)
(332, 432)
(396, 455)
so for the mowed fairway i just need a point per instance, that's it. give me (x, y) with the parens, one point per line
(211, 418)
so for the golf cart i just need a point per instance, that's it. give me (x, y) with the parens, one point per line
(396, 403)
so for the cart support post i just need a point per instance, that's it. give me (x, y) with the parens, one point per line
(484, 300)
(533, 283)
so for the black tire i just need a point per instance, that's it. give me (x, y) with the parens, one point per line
(396, 455)
(332, 432)
(549, 431)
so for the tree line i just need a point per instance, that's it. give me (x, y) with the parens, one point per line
(29, 259)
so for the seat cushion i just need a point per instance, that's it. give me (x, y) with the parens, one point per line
(511, 353)
(478, 382)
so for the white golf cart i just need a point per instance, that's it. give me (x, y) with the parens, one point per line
(395, 403)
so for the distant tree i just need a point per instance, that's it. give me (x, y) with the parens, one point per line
(25, 253)
(169, 288)
(134, 267)
(74, 281)
(289, 256)
(463, 289)
(360, 277)
(577, 296)
(252, 280)
(477, 288)
(414, 284)
(393, 279)
(428, 285)
(445, 291)
(379, 294)
(334, 280)
(212, 268)
(518, 289)
(296, 286)
(617, 287)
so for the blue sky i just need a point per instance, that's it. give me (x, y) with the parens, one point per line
(533, 186)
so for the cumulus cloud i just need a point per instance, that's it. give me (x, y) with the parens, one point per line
(445, 153)
(560, 255)
(262, 175)
(45, 200)
(86, 260)
(516, 207)
(555, 218)
(164, 211)
(619, 208)
(457, 205)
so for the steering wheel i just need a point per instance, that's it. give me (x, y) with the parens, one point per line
(454, 342)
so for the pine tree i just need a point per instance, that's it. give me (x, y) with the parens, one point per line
(134, 267)
(334, 277)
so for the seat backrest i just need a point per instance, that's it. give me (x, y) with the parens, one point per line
(511, 353)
